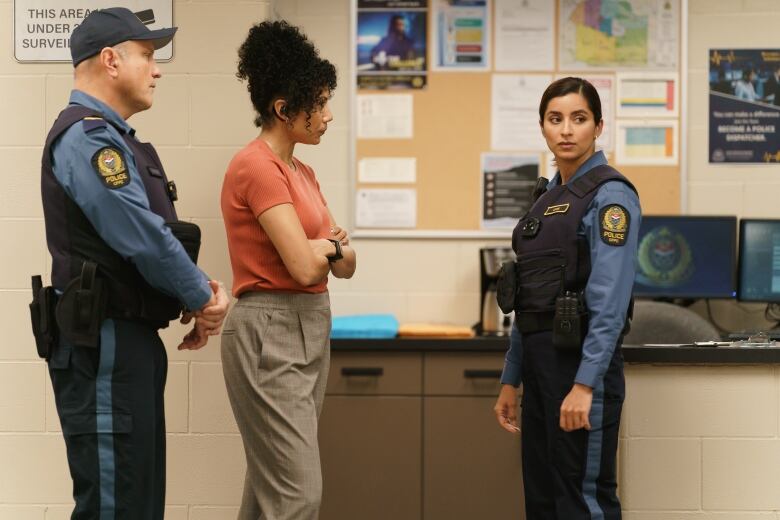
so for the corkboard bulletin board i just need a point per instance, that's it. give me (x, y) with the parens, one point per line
(451, 129)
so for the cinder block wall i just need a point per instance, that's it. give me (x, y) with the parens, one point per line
(700, 443)
(748, 191)
(201, 116)
(709, 455)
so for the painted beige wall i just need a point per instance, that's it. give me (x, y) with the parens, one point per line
(712, 455)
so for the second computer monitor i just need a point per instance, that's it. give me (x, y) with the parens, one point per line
(686, 257)
(759, 260)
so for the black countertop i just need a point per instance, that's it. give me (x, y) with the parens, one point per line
(631, 353)
(477, 344)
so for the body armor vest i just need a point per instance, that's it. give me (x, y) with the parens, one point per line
(72, 239)
(551, 257)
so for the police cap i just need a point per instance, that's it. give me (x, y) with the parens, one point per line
(108, 27)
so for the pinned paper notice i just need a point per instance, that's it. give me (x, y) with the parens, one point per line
(384, 116)
(390, 208)
(530, 26)
(389, 170)
(515, 116)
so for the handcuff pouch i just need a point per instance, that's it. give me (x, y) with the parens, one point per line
(82, 307)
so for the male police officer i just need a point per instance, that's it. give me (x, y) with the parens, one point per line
(123, 266)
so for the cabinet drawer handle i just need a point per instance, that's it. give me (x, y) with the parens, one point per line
(362, 371)
(471, 373)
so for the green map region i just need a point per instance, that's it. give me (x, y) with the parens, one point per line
(609, 32)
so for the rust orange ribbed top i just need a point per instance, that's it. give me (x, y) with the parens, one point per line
(256, 180)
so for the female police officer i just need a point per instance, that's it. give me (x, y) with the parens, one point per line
(576, 250)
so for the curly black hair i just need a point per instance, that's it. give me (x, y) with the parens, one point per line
(278, 61)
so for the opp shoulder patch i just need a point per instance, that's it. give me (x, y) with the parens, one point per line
(109, 165)
(615, 221)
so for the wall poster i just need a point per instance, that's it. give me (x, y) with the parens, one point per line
(507, 182)
(744, 106)
(646, 142)
(391, 43)
(462, 39)
(647, 94)
(617, 35)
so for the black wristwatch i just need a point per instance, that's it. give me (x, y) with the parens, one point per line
(337, 255)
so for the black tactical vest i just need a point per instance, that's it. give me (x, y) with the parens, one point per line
(72, 239)
(551, 257)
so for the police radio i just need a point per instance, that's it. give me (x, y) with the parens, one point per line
(570, 322)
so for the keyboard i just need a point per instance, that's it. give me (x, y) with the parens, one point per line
(774, 335)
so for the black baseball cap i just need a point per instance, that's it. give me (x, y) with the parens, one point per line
(108, 27)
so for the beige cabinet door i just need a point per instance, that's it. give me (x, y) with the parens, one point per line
(371, 452)
(471, 467)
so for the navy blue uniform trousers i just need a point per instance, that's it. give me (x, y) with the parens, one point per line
(110, 403)
(568, 475)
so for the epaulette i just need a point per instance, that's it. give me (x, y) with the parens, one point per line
(91, 123)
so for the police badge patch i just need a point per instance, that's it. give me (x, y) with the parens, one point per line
(109, 164)
(614, 225)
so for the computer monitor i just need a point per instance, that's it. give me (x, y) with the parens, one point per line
(686, 257)
(759, 260)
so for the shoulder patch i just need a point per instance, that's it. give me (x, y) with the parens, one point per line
(614, 222)
(92, 123)
(109, 165)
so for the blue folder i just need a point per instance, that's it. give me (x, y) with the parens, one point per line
(364, 326)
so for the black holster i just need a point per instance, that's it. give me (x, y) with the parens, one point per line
(570, 322)
(82, 307)
(44, 324)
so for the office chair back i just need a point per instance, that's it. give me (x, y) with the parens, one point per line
(659, 322)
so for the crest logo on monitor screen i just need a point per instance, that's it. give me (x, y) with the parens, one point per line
(665, 258)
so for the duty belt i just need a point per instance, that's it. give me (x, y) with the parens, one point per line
(528, 322)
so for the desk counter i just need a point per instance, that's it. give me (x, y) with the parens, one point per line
(631, 353)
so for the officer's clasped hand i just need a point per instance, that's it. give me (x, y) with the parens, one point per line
(208, 320)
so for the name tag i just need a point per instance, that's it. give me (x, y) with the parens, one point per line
(554, 210)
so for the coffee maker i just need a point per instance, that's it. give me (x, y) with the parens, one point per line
(493, 322)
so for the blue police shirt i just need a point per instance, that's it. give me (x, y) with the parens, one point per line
(608, 290)
(122, 216)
